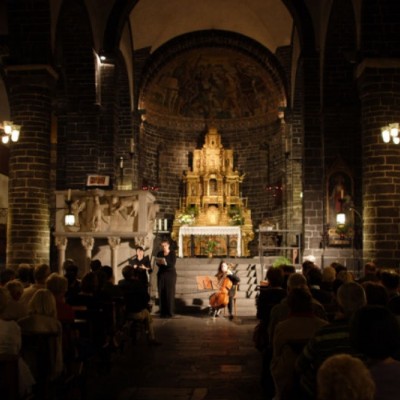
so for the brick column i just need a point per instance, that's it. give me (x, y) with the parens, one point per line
(28, 227)
(379, 88)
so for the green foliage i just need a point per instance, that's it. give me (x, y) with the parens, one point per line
(281, 261)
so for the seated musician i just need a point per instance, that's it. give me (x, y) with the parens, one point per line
(226, 279)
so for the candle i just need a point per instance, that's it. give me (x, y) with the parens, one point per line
(165, 224)
(159, 224)
(155, 225)
(121, 162)
(132, 146)
(341, 194)
(286, 145)
(69, 195)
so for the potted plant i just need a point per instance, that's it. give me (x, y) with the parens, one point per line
(210, 247)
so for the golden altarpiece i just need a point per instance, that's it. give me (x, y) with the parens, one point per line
(213, 218)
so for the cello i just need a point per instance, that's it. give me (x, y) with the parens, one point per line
(220, 299)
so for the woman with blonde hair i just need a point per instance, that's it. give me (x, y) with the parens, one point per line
(42, 319)
(344, 377)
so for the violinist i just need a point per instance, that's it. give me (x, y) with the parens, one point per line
(226, 279)
(142, 266)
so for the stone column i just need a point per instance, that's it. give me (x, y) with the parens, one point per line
(379, 91)
(87, 243)
(28, 226)
(114, 243)
(61, 243)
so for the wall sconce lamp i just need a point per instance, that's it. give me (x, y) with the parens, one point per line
(69, 218)
(10, 132)
(341, 217)
(391, 132)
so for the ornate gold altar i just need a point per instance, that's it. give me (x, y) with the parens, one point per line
(212, 198)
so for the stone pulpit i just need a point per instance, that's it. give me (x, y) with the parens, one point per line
(212, 200)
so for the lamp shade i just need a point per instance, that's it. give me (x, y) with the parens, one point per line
(341, 218)
(69, 219)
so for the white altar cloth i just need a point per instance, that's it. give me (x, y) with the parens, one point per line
(210, 230)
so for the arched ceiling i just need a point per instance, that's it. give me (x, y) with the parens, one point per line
(154, 22)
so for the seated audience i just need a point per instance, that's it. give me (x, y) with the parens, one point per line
(375, 333)
(74, 284)
(376, 293)
(290, 336)
(10, 344)
(6, 275)
(343, 377)
(314, 280)
(15, 309)
(390, 279)
(370, 273)
(25, 274)
(328, 277)
(40, 274)
(331, 339)
(42, 318)
(136, 298)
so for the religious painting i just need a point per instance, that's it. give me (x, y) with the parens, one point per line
(98, 181)
(339, 199)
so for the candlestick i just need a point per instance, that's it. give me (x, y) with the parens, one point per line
(155, 225)
(165, 224)
(69, 195)
(121, 162)
(160, 224)
(132, 146)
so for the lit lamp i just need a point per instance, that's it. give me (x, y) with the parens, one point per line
(341, 218)
(69, 218)
(11, 132)
(390, 133)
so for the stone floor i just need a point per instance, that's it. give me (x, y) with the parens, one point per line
(200, 358)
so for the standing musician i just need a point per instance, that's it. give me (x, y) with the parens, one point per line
(142, 266)
(225, 281)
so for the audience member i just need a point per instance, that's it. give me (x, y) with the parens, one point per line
(74, 284)
(6, 275)
(343, 377)
(391, 280)
(330, 339)
(15, 309)
(136, 298)
(370, 273)
(25, 274)
(314, 280)
(42, 318)
(95, 265)
(287, 270)
(375, 333)
(289, 339)
(328, 277)
(306, 266)
(10, 343)
(40, 274)
(338, 267)
(376, 293)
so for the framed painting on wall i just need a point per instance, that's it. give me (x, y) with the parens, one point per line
(98, 181)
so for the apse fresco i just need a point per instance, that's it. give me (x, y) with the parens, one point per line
(211, 83)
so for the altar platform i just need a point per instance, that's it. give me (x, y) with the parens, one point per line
(190, 299)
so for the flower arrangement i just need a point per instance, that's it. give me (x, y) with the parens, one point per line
(235, 214)
(188, 217)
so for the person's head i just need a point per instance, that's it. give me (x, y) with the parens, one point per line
(376, 293)
(90, 283)
(342, 376)
(306, 266)
(275, 276)
(328, 274)
(139, 252)
(370, 268)
(128, 272)
(106, 274)
(345, 276)
(4, 299)
(95, 265)
(390, 279)
(40, 273)
(223, 267)
(351, 297)
(300, 300)
(15, 288)
(57, 284)
(25, 273)
(71, 272)
(43, 303)
(296, 280)
(165, 245)
(6, 275)
(338, 267)
(314, 277)
(375, 332)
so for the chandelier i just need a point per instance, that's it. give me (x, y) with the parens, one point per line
(391, 133)
(10, 132)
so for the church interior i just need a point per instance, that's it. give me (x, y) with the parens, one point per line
(245, 130)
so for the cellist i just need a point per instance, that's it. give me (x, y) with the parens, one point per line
(220, 299)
